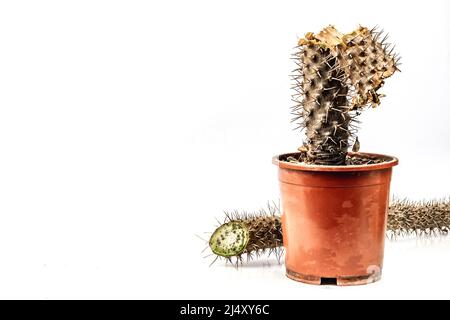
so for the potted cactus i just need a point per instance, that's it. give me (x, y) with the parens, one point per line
(334, 202)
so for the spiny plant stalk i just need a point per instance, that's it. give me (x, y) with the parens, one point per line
(420, 218)
(337, 75)
(253, 234)
(324, 105)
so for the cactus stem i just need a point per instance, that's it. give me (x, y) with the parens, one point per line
(405, 217)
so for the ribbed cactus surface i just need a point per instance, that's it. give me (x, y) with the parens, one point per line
(337, 76)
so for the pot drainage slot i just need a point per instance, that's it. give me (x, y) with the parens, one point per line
(328, 281)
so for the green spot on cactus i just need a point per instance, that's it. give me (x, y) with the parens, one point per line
(227, 244)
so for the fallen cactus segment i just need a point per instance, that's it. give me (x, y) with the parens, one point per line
(421, 218)
(251, 235)
(248, 234)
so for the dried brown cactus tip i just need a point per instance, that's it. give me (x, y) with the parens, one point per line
(328, 37)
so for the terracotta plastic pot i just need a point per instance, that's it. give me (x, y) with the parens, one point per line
(334, 220)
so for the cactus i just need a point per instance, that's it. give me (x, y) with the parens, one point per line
(421, 218)
(337, 76)
(250, 234)
(262, 231)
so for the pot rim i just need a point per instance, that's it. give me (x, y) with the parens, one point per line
(311, 167)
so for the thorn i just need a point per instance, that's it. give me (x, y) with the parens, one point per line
(205, 249)
(378, 34)
(217, 257)
(392, 49)
(373, 29)
(202, 238)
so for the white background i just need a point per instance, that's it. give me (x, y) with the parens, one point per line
(126, 127)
